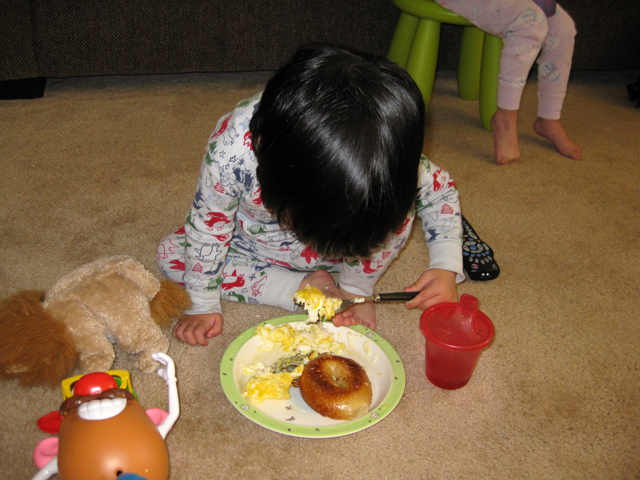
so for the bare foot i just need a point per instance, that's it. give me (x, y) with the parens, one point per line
(359, 314)
(552, 130)
(504, 125)
(323, 281)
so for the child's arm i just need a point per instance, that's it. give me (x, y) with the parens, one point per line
(211, 221)
(438, 207)
(208, 230)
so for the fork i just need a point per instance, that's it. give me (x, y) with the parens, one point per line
(377, 298)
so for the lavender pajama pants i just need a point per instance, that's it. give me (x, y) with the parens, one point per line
(527, 34)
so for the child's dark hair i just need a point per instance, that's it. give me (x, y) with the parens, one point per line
(338, 136)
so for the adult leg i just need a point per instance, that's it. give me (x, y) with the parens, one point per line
(554, 68)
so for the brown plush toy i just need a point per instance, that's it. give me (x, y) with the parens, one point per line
(113, 299)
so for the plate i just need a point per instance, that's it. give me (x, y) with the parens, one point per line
(293, 416)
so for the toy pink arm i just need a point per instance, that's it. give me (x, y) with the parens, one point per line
(168, 374)
(49, 470)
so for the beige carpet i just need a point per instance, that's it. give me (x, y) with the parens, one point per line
(104, 166)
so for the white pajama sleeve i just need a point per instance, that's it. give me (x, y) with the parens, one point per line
(438, 206)
(208, 230)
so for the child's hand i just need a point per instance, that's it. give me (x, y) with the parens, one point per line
(196, 329)
(435, 286)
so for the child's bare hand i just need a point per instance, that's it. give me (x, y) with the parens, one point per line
(435, 286)
(196, 329)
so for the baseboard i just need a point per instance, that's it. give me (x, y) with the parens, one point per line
(23, 89)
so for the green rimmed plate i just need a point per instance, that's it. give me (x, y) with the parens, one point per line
(293, 416)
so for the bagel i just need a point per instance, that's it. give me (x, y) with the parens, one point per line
(336, 387)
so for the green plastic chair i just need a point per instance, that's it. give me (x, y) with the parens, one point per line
(415, 47)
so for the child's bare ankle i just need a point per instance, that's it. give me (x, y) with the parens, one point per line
(504, 125)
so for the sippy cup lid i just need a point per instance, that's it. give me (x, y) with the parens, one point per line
(457, 326)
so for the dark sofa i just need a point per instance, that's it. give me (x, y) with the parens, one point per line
(64, 38)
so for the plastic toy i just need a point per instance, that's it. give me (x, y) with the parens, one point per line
(90, 384)
(111, 299)
(117, 378)
(108, 435)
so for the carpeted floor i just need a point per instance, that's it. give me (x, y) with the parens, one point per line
(105, 166)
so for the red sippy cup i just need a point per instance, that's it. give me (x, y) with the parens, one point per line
(456, 334)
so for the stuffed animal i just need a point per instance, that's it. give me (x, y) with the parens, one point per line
(113, 299)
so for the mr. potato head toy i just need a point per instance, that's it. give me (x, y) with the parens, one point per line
(105, 434)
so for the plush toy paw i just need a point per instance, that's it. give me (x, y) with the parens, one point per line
(96, 363)
(146, 363)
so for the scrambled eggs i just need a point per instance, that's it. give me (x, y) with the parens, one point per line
(298, 338)
(301, 343)
(270, 385)
(316, 304)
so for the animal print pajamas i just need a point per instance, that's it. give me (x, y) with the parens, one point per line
(231, 247)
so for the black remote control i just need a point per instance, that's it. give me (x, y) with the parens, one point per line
(477, 256)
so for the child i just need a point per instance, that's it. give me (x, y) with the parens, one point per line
(526, 32)
(317, 174)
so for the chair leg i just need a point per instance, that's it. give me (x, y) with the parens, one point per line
(491, 50)
(423, 57)
(402, 39)
(469, 63)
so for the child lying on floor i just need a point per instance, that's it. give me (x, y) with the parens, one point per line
(322, 172)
